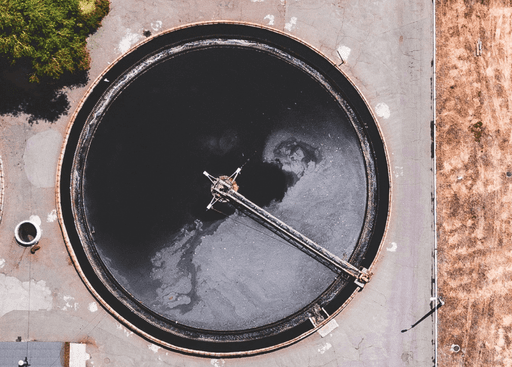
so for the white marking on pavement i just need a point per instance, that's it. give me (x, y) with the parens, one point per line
(324, 348)
(270, 18)
(69, 303)
(154, 348)
(2, 263)
(393, 247)
(344, 52)
(93, 307)
(129, 40)
(35, 219)
(217, 362)
(399, 171)
(382, 110)
(125, 330)
(156, 25)
(289, 26)
(52, 216)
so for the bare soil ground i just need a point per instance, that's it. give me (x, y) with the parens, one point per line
(474, 182)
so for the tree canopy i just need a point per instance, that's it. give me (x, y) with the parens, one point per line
(49, 35)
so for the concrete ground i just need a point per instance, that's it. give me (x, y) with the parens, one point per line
(387, 49)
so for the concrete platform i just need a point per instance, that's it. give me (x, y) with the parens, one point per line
(387, 51)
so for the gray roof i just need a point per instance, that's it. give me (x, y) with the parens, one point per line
(40, 354)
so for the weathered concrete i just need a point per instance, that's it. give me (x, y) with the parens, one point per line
(40, 158)
(387, 52)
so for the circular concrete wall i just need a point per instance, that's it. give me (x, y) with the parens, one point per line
(215, 97)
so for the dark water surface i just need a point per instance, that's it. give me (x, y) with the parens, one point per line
(215, 109)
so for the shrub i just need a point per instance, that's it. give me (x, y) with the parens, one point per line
(49, 35)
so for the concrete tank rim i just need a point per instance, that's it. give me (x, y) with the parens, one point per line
(59, 176)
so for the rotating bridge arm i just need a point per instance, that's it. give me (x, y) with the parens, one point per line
(225, 189)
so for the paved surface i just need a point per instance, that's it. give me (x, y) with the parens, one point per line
(387, 48)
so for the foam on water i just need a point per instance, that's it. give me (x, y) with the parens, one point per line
(241, 275)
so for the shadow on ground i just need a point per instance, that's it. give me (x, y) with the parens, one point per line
(44, 101)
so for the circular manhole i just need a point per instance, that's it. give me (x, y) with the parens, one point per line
(455, 348)
(27, 233)
(216, 97)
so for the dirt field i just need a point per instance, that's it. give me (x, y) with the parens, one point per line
(474, 182)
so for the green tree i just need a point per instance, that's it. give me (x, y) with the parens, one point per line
(49, 35)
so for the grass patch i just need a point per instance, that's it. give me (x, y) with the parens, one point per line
(477, 129)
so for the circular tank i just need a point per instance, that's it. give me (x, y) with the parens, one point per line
(133, 199)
